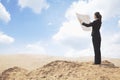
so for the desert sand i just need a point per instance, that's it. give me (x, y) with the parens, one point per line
(42, 67)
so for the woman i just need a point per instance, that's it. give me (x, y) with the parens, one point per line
(96, 37)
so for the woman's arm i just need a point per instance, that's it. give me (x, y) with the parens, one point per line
(88, 25)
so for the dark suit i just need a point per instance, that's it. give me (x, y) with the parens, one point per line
(96, 38)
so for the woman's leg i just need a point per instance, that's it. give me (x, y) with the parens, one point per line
(96, 44)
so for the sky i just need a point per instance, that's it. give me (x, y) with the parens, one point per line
(50, 27)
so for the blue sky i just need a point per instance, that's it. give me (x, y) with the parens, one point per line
(25, 24)
(51, 27)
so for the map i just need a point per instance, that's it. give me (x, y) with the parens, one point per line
(86, 19)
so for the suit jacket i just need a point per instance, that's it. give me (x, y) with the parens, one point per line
(96, 25)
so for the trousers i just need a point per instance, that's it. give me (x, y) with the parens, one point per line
(96, 40)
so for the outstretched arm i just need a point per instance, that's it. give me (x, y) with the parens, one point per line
(88, 25)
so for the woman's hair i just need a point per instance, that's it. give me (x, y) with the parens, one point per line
(98, 15)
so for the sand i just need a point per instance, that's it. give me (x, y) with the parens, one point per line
(42, 67)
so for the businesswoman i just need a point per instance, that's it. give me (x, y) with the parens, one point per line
(96, 37)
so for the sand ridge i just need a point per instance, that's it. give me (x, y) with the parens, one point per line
(65, 70)
(44, 67)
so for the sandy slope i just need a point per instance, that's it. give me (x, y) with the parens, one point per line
(42, 67)
(65, 70)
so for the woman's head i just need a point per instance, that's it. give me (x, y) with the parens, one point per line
(98, 15)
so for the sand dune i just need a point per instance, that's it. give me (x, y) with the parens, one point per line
(42, 67)
(65, 70)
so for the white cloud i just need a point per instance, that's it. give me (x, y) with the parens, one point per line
(4, 14)
(79, 53)
(119, 23)
(72, 36)
(107, 8)
(110, 48)
(71, 27)
(5, 39)
(35, 48)
(110, 45)
(36, 5)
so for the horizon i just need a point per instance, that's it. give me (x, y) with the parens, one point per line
(51, 27)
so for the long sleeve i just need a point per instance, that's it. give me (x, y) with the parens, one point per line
(95, 27)
(88, 25)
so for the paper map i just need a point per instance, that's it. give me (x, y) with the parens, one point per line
(86, 19)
